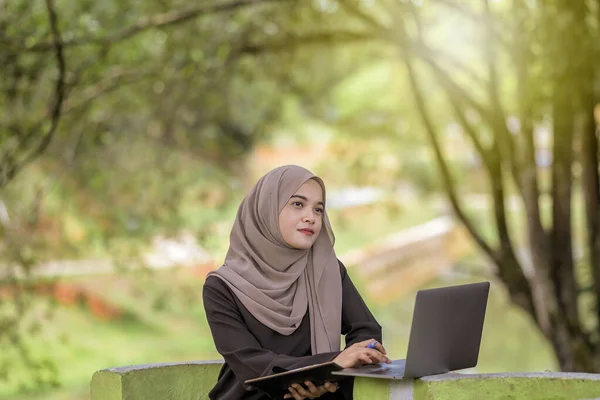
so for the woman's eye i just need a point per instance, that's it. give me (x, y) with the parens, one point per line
(319, 210)
(297, 204)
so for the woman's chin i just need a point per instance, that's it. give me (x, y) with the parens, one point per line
(302, 244)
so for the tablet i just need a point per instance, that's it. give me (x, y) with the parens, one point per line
(277, 384)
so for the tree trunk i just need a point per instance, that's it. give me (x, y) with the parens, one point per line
(572, 344)
(588, 150)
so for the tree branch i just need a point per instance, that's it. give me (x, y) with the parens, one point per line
(504, 137)
(7, 172)
(493, 161)
(444, 77)
(561, 241)
(529, 181)
(322, 38)
(476, 17)
(503, 146)
(591, 194)
(454, 100)
(426, 52)
(446, 177)
(354, 9)
(151, 22)
(537, 235)
(432, 135)
(335, 37)
(114, 79)
(433, 55)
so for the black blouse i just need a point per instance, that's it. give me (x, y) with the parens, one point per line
(250, 349)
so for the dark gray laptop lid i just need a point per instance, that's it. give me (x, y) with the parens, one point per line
(446, 329)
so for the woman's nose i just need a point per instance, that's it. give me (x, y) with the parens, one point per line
(309, 216)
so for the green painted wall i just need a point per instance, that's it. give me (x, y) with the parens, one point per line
(370, 389)
(193, 381)
(106, 386)
(185, 381)
(550, 386)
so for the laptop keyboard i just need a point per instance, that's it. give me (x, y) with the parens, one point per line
(395, 370)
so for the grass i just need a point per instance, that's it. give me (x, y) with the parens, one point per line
(174, 331)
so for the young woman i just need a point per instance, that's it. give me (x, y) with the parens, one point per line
(282, 298)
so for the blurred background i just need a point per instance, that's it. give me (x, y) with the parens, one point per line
(457, 140)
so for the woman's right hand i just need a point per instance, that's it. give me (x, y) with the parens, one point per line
(359, 354)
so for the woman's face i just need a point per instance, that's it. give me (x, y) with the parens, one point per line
(301, 218)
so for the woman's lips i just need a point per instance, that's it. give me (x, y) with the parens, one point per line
(307, 232)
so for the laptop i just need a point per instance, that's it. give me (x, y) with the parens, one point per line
(445, 334)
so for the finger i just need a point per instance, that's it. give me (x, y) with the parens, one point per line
(311, 387)
(376, 355)
(364, 358)
(373, 344)
(303, 392)
(331, 387)
(380, 347)
(295, 393)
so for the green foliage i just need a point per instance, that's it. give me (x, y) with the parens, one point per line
(24, 318)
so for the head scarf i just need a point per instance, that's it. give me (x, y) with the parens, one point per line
(275, 281)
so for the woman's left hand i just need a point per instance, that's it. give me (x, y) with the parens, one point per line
(311, 391)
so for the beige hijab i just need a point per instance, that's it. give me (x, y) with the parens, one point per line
(274, 281)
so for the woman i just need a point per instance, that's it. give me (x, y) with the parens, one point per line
(282, 299)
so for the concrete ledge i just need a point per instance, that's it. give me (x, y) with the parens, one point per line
(193, 381)
(546, 386)
(164, 381)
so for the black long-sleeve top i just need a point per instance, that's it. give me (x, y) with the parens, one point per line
(250, 349)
